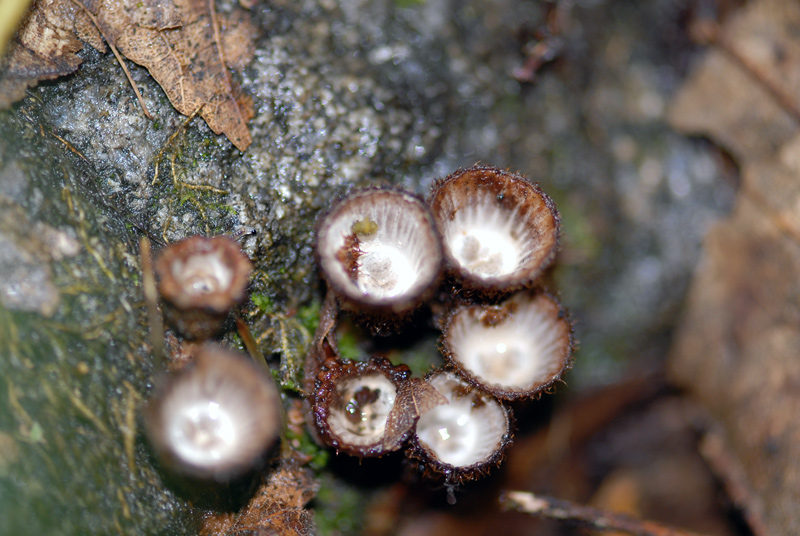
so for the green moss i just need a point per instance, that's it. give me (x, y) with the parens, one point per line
(198, 206)
(287, 378)
(72, 387)
(74, 382)
(348, 346)
(338, 508)
(308, 316)
(305, 444)
(263, 302)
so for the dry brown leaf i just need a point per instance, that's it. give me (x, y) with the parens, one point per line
(414, 398)
(737, 347)
(743, 116)
(278, 507)
(181, 45)
(45, 47)
(184, 44)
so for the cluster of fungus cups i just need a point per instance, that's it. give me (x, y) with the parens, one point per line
(216, 417)
(383, 253)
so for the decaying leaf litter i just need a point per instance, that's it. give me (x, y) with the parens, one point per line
(441, 150)
(186, 46)
(736, 348)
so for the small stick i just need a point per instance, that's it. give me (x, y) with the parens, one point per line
(84, 410)
(550, 44)
(70, 147)
(727, 468)
(151, 300)
(779, 220)
(119, 58)
(129, 434)
(594, 518)
(251, 344)
(709, 31)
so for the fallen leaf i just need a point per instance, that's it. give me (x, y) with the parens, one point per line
(736, 348)
(278, 507)
(415, 397)
(181, 45)
(185, 45)
(45, 47)
(743, 116)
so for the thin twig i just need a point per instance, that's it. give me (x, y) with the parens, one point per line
(709, 31)
(18, 411)
(118, 56)
(80, 218)
(69, 146)
(776, 217)
(129, 437)
(549, 45)
(594, 518)
(126, 509)
(728, 469)
(84, 410)
(251, 344)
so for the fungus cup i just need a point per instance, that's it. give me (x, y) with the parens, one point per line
(379, 251)
(200, 280)
(514, 350)
(499, 230)
(354, 406)
(216, 418)
(464, 439)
